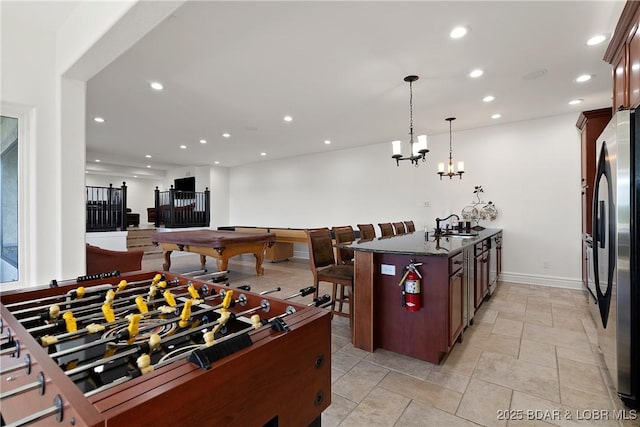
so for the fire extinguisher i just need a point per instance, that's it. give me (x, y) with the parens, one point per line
(411, 287)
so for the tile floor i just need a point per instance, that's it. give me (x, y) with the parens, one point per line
(529, 359)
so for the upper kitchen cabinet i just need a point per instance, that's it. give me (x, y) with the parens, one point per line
(623, 53)
(591, 124)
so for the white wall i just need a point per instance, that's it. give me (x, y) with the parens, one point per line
(28, 79)
(530, 170)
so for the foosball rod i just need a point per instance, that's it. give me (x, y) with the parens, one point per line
(241, 300)
(215, 274)
(26, 364)
(14, 349)
(133, 351)
(57, 409)
(302, 292)
(47, 340)
(289, 310)
(97, 288)
(118, 304)
(96, 314)
(40, 385)
(89, 299)
(270, 291)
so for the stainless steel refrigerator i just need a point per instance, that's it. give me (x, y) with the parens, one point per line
(616, 263)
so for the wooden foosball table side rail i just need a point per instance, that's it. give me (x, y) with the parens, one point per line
(284, 376)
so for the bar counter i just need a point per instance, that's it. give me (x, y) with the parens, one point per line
(380, 318)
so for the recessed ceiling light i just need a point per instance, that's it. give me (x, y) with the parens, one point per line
(263, 154)
(156, 86)
(458, 32)
(135, 176)
(203, 141)
(97, 160)
(476, 73)
(148, 156)
(98, 119)
(288, 118)
(326, 141)
(575, 101)
(148, 166)
(226, 135)
(216, 162)
(184, 147)
(496, 116)
(488, 98)
(583, 78)
(595, 40)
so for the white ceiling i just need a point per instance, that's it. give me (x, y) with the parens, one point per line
(338, 69)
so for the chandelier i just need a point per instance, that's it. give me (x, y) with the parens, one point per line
(418, 148)
(450, 172)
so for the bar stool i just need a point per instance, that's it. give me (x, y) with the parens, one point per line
(399, 227)
(386, 229)
(325, 269)
(410, 227)
(367, 232)
(344, 234)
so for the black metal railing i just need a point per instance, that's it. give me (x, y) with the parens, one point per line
(181, 209)
(106, 208)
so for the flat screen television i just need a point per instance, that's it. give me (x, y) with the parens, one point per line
(185, 184)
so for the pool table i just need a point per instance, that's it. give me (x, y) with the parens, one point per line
(221, 245)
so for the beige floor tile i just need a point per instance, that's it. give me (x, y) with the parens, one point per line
(359, 381)
(538, 318)
(539, 353)
(422, 391)
(569, 320)
(485, 316)
(420, 414)
(542, 305)
(449, 380)
(581, 376)
(533, 409)
(527, 377)
(379, 408)
(339, 409)
(499, 344)
(344, 360)
(579, 356)
(338, 342)
(461, 360)
(507, 327)
(508, 306)
(580, 399)
(482, 402)
(336, 374)
(575, 340)
(401, 363)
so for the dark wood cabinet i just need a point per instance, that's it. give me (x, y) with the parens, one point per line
(456, 297)
(481, 266)
(623, 53)
(591, 124)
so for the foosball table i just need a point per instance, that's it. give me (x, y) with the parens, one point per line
(159, 349)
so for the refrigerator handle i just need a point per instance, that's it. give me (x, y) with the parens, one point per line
(602, 221)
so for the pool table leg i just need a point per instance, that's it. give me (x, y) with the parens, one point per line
(222, 264)
(203, 262)
(167, 260)
(259, 258)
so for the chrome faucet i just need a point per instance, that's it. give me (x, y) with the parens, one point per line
(438, 229)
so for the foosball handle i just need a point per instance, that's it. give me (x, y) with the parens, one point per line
(279, 325)
(307, 291)
(320, 301)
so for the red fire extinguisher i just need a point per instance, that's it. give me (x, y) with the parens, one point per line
(411, 289)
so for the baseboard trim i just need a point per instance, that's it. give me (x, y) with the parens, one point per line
(550, 281)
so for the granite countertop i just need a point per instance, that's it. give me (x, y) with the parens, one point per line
(416, 244)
